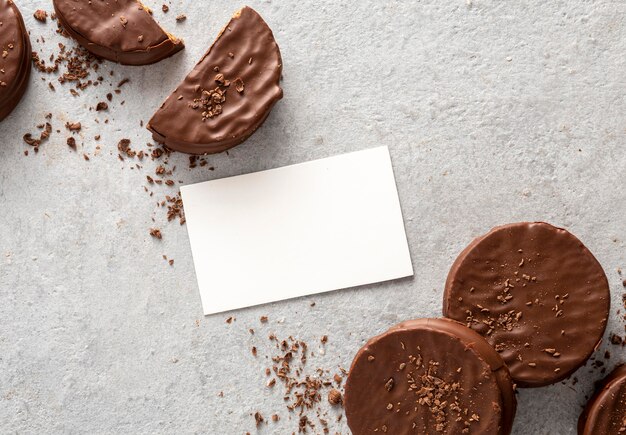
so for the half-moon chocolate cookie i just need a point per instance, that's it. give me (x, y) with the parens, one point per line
(429, 376)
(605, 413)
(15, 55)
(228, 94)
(119, 30)
(536, 293)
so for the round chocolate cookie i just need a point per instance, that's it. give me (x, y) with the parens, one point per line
(605, 413)
(119, 30)
(536, 293)
(429, 376)
(228, 94)
(15, 55)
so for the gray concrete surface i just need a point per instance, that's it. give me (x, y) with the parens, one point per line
(493, 111)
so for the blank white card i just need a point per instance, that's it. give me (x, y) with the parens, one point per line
(293, 231)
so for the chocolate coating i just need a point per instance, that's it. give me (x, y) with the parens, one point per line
(538, 296)
(605, 412)
(15, 55)
(119, 30)
(397, 378)
(245, 50)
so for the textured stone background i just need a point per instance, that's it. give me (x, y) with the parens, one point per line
(493, 111)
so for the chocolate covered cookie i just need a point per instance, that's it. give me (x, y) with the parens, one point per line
(536, 293)
(429, 376)
(605, 412)
(228, 94)
(118, 30)
(15, 55)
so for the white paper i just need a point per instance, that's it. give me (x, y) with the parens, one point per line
(293, 231)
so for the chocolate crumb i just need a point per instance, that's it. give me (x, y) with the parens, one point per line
(258, 418)
(334, 397)
(180, 18)
(71, 142)
(302, 423)
(165, 8)
(263, 319)
(239, 84)
(43, 136)
(155, 232)
(73, 126)
(40, 15)
(210, 102)
(219, 79)
(389, 384)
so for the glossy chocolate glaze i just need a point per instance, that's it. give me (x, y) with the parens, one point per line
(245, 50)
(605, 412)
(15, 52)
(536, 293)
(463, 356)
(119, 30)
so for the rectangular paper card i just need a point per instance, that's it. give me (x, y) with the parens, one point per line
(293, 231)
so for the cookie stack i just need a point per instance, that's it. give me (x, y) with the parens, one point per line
(525, 306)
